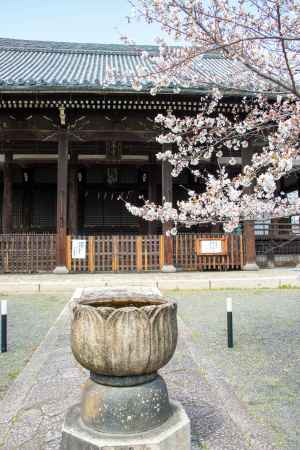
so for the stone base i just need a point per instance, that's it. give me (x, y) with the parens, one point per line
(168, 268)
(60, 270)
(270, 263)
(124, 410)
(174, 434)
(250, 267)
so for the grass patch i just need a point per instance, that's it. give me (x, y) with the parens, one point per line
(13, 374)
(230, 289)
(196, 335)
(263, 366)
(287, 286)
(29, 318)
(204, 446)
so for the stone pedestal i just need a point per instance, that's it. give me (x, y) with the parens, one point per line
(174, 434)
(270, 262)
(60, 270)
(168, 268)
(125, 407)
(250, 267)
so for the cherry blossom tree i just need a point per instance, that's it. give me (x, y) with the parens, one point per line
(260, 40)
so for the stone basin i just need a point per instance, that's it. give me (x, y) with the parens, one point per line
(124, 336)
(123, 332)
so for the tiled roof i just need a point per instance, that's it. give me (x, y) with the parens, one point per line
(43, 66)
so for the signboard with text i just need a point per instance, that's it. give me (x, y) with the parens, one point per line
(211, 246)
(78, 249)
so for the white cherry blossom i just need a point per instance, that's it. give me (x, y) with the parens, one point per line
(261, 43)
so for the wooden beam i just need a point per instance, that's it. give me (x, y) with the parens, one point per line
(167, 196)
(7, 207)
(17, 135)
(103, 162)
(62, 202)
(119, 135)
(86, 147)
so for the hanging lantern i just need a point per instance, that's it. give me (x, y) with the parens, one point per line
(112, 175)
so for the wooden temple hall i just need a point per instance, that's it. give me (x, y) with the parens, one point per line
(71, 145)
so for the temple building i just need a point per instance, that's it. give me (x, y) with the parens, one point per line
(71, 145)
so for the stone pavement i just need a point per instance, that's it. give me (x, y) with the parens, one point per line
(264, 278)
(32, 413)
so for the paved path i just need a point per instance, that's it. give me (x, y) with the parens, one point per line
(264, 278)
(31, 414)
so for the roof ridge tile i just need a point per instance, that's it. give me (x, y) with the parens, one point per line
(73, 47)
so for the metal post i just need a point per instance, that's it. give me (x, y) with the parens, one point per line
(3, 326)
(229, 323)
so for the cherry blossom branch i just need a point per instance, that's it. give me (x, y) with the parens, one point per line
(262, 42)
(284, 48)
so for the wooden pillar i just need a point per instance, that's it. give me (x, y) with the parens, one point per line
(248, 226)
(81, 198)
(27, 199)
(298, 184)
(73, 195)
(62, 203)
(152, 194)
(167, 196)
(7, 206)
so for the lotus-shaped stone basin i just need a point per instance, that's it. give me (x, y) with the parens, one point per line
(121, 333)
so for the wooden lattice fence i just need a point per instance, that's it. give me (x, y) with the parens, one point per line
(129, 253)
(186, 258)
(122, 253)
(27, 253)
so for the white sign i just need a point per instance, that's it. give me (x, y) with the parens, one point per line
(211, 246)
(78, 249)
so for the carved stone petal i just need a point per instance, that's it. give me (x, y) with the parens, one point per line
(163, 336)
(88, 337)
(128, 338)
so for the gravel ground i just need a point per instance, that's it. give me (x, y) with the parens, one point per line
(264, 366)
(29, 318)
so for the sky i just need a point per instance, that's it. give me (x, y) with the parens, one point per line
(98, 21)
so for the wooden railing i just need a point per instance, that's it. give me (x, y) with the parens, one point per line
(27, 253)
(273, 230)
(128, 253)
(185, 257)
(277, 239)
(119, 253)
